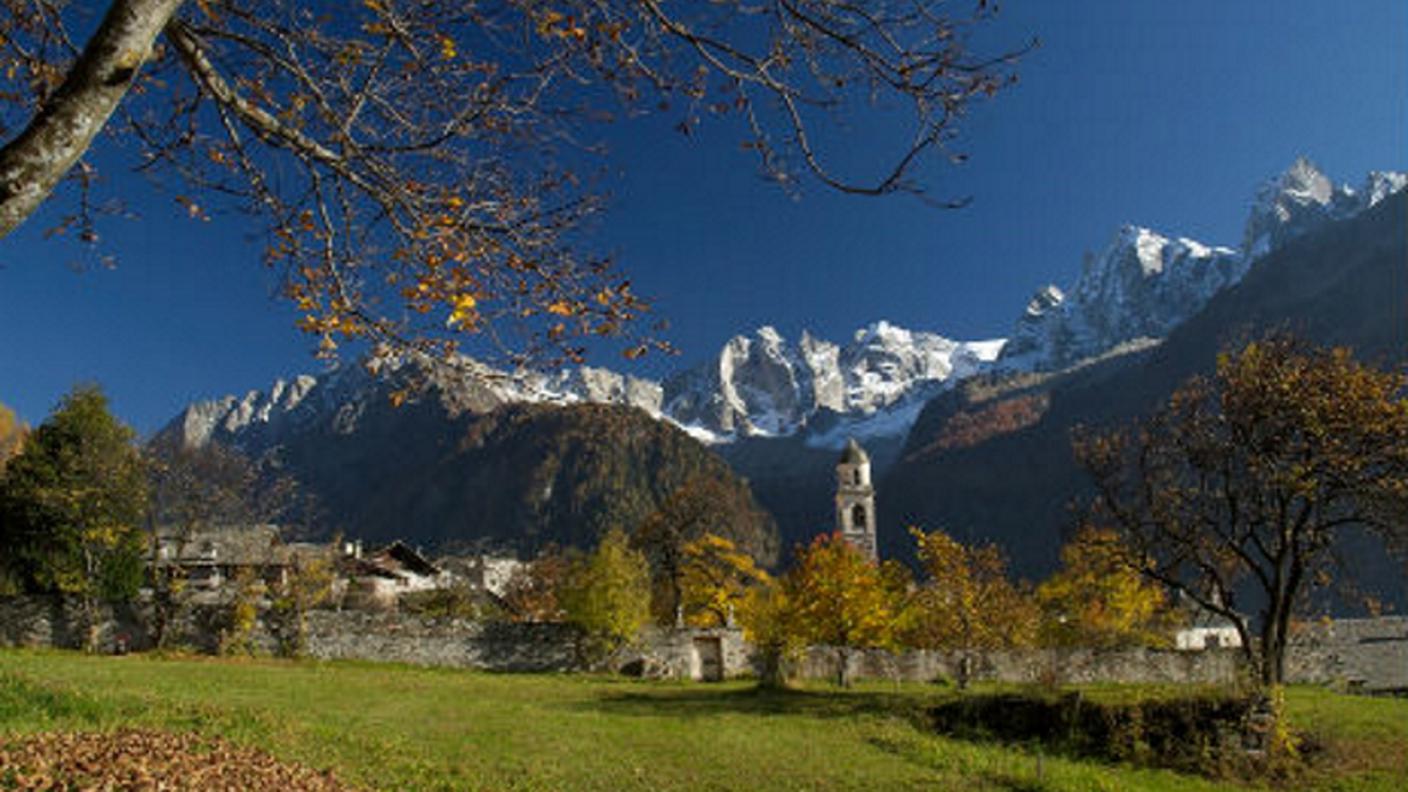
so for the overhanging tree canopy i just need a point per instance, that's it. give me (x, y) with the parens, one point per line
(410, 160)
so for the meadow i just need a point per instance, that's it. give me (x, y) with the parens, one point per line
(398, 727)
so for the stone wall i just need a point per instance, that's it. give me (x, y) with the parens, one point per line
(60, 622)
(1368, 654)
(362, 635)
(390, 637)
(1031, 666)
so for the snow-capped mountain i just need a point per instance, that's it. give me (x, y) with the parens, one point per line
(758, 385)
(1137, 289)
(1302, 199)
(1143, 284)
(341, 396)
(1140, 286)
(763, 385)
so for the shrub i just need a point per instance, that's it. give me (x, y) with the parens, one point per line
(1197, 733)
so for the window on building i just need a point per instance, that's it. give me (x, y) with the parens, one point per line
(858, 516)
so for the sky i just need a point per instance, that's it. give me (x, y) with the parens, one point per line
(1160, 114)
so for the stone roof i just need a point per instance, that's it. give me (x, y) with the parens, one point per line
(396, 560)
(854, 454)
(242, 545)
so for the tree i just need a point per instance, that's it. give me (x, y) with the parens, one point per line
(839, 599)
(414, 163)
(715, 578)
(12, 434)
(72, 507)
(534, 590)
(195, 489)
(1244, 481)
(199, 487)
(1100, 597)
(966, 602)
(770, 623)
(705, 505)
(608, 594)
(306, 584)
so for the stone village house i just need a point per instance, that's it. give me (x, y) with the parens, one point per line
(380, 578)
(213, 557)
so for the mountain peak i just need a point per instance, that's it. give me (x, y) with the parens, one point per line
(1290, 204)
(1143, 283)
(769, 335)
(1304, 180)
(1379, 185)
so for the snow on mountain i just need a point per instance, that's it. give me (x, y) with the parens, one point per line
(284, 404)
(1380, 185)
(583, 384)
(1143, 283)
(1137, 289)
(763, 385)
(759, 385)
(342, 395)
(1140, 286)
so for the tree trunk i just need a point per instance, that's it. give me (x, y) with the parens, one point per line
(773, 674)
(843, 667)
(1273, 649)
(91, 628)
(63, 129)
(965, 669)
(1273, 644)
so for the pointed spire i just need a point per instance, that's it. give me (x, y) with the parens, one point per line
(854, 454)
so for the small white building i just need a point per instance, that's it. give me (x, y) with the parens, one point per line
(1196, 639)
(1207, 630)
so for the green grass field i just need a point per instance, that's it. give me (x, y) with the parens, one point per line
(397, 727)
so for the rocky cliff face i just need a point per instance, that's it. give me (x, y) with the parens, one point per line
(1144, 284)
(1302, 199)
(764, 386)
(1141, 285)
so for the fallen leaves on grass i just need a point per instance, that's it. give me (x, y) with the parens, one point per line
(148, 760)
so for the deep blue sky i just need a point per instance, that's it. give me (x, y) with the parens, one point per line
(1165, 114)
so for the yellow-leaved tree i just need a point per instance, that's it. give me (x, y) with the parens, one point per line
(715, 578)
(769, 622)
(703, 505)
(839, 598)
(966, 603)
(12, 434)
(608, 595)
(1246, 481)
(306, 584)
(1101, 598)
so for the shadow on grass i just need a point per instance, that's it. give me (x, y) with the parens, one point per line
(709, 701)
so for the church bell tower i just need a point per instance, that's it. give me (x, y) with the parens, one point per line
(855, 499)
